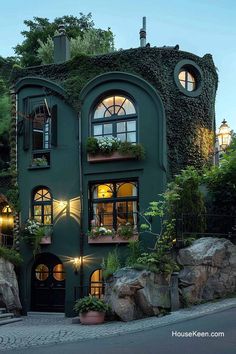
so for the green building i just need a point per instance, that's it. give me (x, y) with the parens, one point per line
(158, 99)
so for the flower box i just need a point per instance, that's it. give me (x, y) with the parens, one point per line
(110, 239)
(115, 156)
(46, 240)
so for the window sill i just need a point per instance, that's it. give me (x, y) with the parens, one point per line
(110, 239)
(115, 156)
(38, 167)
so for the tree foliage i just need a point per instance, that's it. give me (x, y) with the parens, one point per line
(38, 38)
(4, 125)
(221, 183)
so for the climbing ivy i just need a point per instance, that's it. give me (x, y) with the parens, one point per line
(189, 120)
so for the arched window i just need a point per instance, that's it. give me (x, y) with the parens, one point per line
(42, 206)
(96, 283)
(115, 116)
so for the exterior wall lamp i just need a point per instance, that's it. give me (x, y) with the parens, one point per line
(224, 135)
(223, 139)
(76, 264)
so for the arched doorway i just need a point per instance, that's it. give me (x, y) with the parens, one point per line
(6, 223)
(48, 284)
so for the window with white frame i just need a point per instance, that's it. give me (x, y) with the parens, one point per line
(115, 116)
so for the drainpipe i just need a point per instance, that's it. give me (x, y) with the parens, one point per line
(143, 33)
(81, 243)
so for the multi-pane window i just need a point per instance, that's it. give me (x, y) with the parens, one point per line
(41, 128)
(42, 206)
(115, 116)
(187, 80)
(114, 204)
(96, 283)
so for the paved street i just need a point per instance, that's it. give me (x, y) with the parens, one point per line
(141, 336)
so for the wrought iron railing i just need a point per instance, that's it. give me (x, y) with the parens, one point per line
(5, 182)
(6, 240)
(98, 290)
(217, 225)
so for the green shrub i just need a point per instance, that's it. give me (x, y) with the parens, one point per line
(134, 253)
(11, 255)
(111, 264)
(137, 151)
(90, 303)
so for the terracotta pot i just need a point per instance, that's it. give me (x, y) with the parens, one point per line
(92, 317)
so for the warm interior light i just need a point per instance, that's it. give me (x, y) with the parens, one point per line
(6, 210)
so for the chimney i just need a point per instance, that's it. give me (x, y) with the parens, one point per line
(61, 46)
(143, 34)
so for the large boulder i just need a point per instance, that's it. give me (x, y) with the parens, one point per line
(134, 294)
(209, 269)
(9, 291)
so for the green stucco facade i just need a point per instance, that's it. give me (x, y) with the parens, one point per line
(174, 128)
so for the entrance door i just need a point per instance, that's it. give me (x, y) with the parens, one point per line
(48, 284)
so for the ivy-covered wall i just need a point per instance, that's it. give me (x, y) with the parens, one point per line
(190, 120)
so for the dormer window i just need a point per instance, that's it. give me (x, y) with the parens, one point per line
(115, 116)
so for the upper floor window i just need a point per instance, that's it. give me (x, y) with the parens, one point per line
(187, 80)
(115, 116)
(42, 206)
(41, 126)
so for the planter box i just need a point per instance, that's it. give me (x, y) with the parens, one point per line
(110, 239)
(46, 240)
(115, 156)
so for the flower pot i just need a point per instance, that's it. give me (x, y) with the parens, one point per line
(46, 240)
(92, 317)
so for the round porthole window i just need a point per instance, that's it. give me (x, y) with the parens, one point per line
(188, 78)
(41, 272)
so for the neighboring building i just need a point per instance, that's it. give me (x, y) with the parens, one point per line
(162, 98)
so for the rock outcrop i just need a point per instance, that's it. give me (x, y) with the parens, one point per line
(209, 269)
(134, 294)
(9, 291)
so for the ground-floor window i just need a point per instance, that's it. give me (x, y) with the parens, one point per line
(96, 283)
(114, 204)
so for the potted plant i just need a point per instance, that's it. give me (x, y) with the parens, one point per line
(125, 231)
(40, 161)
(97, 231)
(111, 148)
(91, 310)
(36, 233)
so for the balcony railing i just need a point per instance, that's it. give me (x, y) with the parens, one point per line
(6, 240)
(95, 290)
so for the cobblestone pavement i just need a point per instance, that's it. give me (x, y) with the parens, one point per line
(43, 329)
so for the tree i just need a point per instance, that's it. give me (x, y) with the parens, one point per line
(41, 30)
(93, 41)
(4, 125)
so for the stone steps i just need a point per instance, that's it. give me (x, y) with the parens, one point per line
(7, 317)
(10, 320)
(49, 314)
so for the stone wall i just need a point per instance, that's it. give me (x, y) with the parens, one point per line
(209, 270)
(9, 291)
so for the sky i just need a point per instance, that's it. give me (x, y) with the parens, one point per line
(198, 26)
